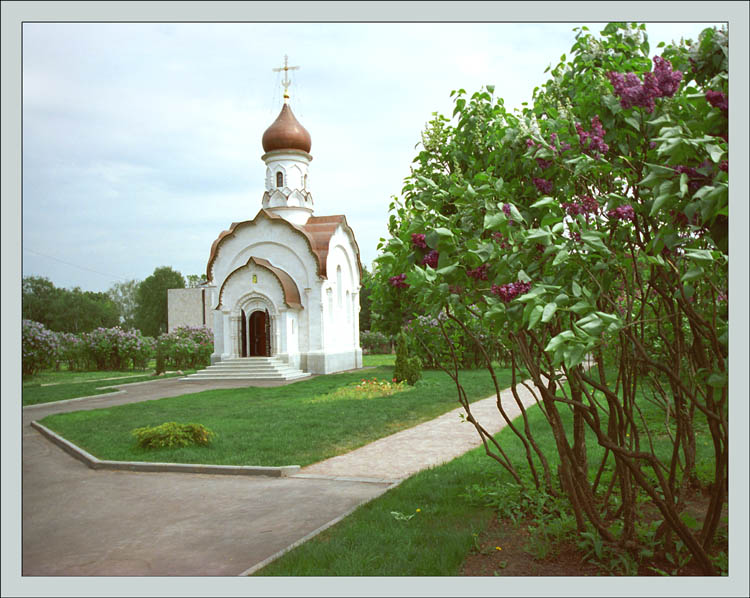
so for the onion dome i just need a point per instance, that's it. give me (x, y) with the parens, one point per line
(286, 133)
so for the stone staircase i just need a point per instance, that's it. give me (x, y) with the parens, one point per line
(249, 368)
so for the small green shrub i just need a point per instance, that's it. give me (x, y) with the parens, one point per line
(171, 434)
(406, 369)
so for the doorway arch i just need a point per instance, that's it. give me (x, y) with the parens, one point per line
(259, 334)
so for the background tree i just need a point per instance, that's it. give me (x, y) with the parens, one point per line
(66, 310)
(124, 295)
(365, 303)
(195, 280)
(151, 300)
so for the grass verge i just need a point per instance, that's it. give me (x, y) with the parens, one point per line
(296, 424)
(73, 385)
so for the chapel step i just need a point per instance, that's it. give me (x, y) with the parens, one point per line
(249, 368)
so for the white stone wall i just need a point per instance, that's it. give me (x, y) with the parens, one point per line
(342, 317)
(323, 336)
(189, 307)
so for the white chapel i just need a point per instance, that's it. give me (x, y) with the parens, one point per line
(285, 284)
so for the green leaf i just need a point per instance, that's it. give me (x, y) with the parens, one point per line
(689, 521)
(658, 203)
(558, 340)
(576, 288)
(491, 221)
(591, 324)
(539, 234)
(515, 214)
(700, 255)
(715, 152)
(612, 103)
(532, 294)
(446, 269)
(717, 380)
(692, 274)
(543, 202)
(549, 311)
(611, 318)
(434, 236)
(593, 239)
(574, 355)
(534, 316)
(683, 185)
(633, 122)
(581, 307)
(561, 256)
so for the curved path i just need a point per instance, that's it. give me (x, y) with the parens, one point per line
(78, 521)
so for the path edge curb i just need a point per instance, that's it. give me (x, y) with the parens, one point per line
(95, 463)
(64, 401)
(267, 561)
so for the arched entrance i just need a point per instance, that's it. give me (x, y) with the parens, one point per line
(259, 334)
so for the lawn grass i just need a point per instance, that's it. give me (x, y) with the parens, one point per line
(456, 502)
(379, 359)
(296, 424)
(73, 385)
(65, 376)
(373, 541)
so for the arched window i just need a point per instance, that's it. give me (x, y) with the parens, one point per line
(338, 284)
(279, 179)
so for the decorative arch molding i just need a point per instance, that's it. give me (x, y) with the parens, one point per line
(288, 286)
(254, 301)
(340, 249)
(286, 254)
(317, 248)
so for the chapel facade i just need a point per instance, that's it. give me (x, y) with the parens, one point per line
(285, 284)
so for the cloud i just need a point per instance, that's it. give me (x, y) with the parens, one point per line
(141, 141)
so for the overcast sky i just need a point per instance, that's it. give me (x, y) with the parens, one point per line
(142, 141)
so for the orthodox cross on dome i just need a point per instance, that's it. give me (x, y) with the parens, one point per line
(286, 82)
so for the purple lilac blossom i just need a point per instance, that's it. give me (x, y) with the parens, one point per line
(663, 82)
(417, 241)
(543, 185)
(508, 292)
(718, 100)
(624, 212)
(592, 143)
(479, 273)
(399, 281)
(431, 259)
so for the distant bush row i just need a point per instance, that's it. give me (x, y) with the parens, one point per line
(375, 342)
(112, 348)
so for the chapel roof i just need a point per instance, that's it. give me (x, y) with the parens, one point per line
(317, 231)
(288, 287)
(286, 133)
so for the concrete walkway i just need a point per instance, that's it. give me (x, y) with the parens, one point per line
(78, 521)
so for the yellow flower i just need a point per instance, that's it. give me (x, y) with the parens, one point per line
(419, 510)
(498, 548)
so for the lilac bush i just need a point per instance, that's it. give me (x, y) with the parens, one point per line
(590, 227)
(187, 347)
(116, 349)
(40, 347)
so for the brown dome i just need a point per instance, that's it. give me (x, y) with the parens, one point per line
(286, 133)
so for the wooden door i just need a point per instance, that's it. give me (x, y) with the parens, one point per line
(259, 334)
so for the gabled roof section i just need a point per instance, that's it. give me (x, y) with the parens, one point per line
(321, 229)
(317, 231)
(289, 288)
